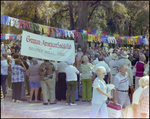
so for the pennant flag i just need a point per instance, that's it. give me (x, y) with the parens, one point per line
(88, 31)
(90, 38)
(93, 31)
(98, 32)
(84, 37)
(105, 39)
(2, 36)
(116, 35)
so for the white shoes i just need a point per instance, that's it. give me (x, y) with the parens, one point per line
(72, 104)
(18, 101)
(13, 100)
(67, 104)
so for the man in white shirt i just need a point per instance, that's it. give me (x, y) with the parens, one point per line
(71, 77)
(107, 73)
(92, 52)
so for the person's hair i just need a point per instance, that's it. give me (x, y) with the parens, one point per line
(16, 56)
(85, 58)
(142, 58)
(30, 58)
(25, 57)
(122, 66)
(101, 58)
(17, 61)
(143, 81)
(4, 55)
(100, 70)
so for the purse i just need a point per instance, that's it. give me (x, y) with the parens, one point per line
(131, 91)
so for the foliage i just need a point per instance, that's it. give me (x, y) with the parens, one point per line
(109, 16)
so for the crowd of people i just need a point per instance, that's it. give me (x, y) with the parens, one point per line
(50, 81)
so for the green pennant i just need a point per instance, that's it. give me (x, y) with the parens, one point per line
(84, 36)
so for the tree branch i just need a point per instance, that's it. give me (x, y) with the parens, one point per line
(92, 12)
(60, 12)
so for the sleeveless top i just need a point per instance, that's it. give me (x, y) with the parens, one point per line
(139, 69)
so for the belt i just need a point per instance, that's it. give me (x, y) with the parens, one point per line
(123, 90)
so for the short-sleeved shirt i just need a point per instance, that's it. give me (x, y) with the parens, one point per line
(108, 59)
(79, 55)
(71, 73)
(96, 85)
(136, 95)
(113, 64)
(144, 100)
(102, 63)
(17, 73)
(86, 71)
(146, 69)
(61, 66)
(34, 72)
(46, 70)
(4, 67)
(121, 82)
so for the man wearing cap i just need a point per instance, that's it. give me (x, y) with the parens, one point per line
(102, 63)
(46, 71)
(96, 60)
(124, 60)
(121, 82)
(71, 77)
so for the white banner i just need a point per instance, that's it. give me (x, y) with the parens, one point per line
(48, 48)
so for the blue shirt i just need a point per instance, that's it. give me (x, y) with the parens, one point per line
(17, 73)
(97, 97)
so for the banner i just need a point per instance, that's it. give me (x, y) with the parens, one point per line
(48, 48)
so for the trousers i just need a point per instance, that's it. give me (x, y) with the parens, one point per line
(71, 91)
(101, 108)
(50, 84)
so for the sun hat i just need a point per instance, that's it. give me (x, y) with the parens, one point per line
(69, 62)
(35, 59)
(114, 56)
(124, 54)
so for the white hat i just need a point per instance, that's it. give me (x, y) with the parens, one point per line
(69, 62)
(110, 50)
(79, 48)
(125, 54)
(114, 56)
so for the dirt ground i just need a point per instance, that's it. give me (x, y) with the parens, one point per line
(38, 110)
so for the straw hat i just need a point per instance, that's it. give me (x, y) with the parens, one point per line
(124, 54)
(114, 56)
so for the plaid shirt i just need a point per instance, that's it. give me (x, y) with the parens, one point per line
(17, 73)
(46, 70)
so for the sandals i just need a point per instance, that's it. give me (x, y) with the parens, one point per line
(36, 101)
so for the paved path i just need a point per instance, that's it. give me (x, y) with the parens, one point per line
(38, 110)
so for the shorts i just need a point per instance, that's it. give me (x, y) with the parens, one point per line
(36, 84)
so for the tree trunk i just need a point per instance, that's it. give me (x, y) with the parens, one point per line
(83, 21)
(71, 15)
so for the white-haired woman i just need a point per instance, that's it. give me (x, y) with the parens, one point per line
(140, 67)
(86, 76)
(34, 79)
(99, 95)
(143, 83)
(144, 100)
